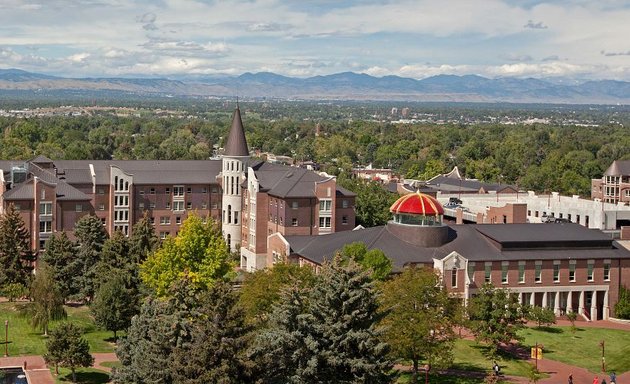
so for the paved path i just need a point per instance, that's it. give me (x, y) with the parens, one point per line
(100, 358)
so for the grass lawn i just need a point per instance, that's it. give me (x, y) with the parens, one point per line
(583, 349)
(23, 340)
(470, 357)
(84, 376)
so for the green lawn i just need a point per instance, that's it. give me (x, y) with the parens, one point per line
(583, 349)
(23, 340)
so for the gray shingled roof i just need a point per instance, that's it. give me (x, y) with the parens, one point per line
(444, 183)
(143, 171)
(289, 182)
(469, 240)
(236, 143)
(618, 168)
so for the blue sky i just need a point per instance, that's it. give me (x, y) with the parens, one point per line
(416, 38)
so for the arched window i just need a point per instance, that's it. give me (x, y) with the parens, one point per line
(126, 185)
(116, 183)
(454, 277)
(229, 241)
(229, 214)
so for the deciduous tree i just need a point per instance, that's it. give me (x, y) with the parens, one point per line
(419, 318)
(67, 348)
(47, 301)
(114, 304)
(198, 254)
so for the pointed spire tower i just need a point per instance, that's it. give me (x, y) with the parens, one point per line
(235, 162)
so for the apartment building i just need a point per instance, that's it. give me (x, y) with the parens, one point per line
(614, 186)
(243, 195)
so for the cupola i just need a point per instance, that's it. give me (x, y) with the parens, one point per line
(417, 209)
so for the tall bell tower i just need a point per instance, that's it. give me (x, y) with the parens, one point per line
(235, 163)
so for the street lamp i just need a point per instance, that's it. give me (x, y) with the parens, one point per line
(6, 338)
(601, 344)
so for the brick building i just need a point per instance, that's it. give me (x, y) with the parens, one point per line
(614, 186)
(251, 199)
(565, 267)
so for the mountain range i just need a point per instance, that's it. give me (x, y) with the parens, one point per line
(340, 86)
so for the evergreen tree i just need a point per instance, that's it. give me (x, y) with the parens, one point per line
(495, 316)
(114, 304)
(60, 255)
(263, 288)
(47, 301)
(216, 351)
(91, 237)
(67, 348)
(160, 327)
(330, 335)
(198, 254)
(16, 257)
(419, 318)
(143, 240)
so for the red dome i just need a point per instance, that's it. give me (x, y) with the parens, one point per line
(417, 204)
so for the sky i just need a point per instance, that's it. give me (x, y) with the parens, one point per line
(577, 39)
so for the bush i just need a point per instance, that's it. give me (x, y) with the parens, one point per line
(542, 316)
(14, 291)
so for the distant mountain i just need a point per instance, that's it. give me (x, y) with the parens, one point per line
(343, 86)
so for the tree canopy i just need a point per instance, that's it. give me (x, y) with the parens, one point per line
(198, 254)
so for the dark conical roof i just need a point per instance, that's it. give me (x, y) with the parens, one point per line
(236, 142)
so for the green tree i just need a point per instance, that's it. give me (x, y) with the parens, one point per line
(572, 316)
(419, 318)
(541, 316)
(16, 257)
(622, 308)
(495, 316)
(216, 352)
(91, 237)
(67, 348)
(198, 254)
(114, 304)
(162, 325)
(262, 289)
(373, 260)
(47, 301)
(329, 334)
(60, 255)
(143, 240)
(372, 202)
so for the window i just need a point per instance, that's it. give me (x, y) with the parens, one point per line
(504, 273)
(488, 272)
(152, 220)
(141, 205)
(163, 235)
(521, 272)
(104, 221)
(294, 205)
(167, 191)
(178, 205)
(178, 220)
(168, 205)
(344, 203)
(165, 220)
(324, 222)
(101, 190)
(152, 205)
(344, 220)
(454, 277)
(214, 190)
(236, 218)
(215, 205)
(78, 208)
(204, 189)
(556, 273)
(45, 226)
(142, 191)
(325, 205)
(294, 222)
(189, 205)
(189, 190)
(101, 207)
(589, 270)
(281, 221)
(17, 207)
(606, 270)
(571, 271)
(152, 191)
(538, 273)
(204, 205)
(178, 191)
(45, 209)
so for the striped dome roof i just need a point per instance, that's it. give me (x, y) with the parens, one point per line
(417, 204)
